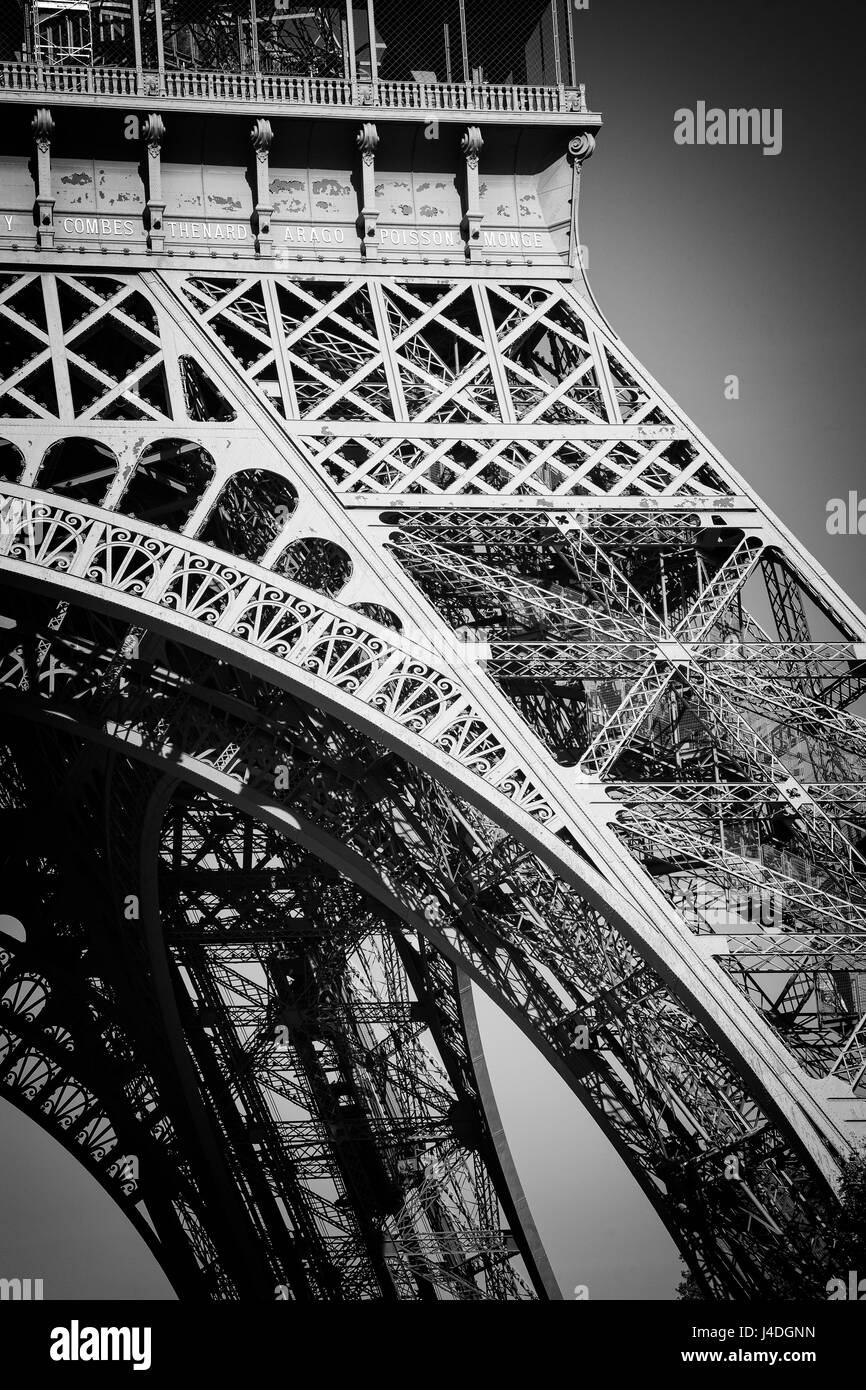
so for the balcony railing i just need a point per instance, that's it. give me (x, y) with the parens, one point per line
(194, 85)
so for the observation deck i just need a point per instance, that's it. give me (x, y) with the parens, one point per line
(266, 129)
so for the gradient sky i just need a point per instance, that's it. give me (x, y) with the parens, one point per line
(707, 261)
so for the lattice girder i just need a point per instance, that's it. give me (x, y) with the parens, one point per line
(641, 1045)
(572, 659)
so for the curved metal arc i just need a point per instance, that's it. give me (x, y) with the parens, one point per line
(49, 1048)
(141, 1227)
(165, 1253)
(159, 959)
(717, 1004)
(353, 865)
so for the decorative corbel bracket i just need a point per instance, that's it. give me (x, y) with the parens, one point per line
(42, 126)
(471, 145)
(262, 137)
(579, 149)
(153, 134)
(367, 141)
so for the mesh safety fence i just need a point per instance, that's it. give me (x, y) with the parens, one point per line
(506, 42)
(280, 37)
(112, 35)
(13, 32)
(77, 33)
(476, 41)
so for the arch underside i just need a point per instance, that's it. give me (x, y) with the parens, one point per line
(335, 1142)
(355, 711)
(290, 843)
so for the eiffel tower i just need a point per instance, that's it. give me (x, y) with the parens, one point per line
(374, 631)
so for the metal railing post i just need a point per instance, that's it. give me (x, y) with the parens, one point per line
(464, 42)
(572, 62)
(136, 39)
(371, 34)
(37, 46)
(254, 42)
(350, 32)
(160, 52)
(554, 19)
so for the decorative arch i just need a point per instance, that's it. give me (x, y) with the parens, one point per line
(378, 613)
(249, 513)
(11, 462)
(317, 564)
(169, 478)
(79, 468)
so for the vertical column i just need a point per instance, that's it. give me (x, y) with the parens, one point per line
(557, 60)
(471, 146)
(42, 126)
(446, 39)
(160, 52)
(572, 61)
(254, 37)
(371, 28)
(350, 40)
(464, 42)
(153, 133)
(136, 40)
(262, 137)
(37, 37)
(367, 141)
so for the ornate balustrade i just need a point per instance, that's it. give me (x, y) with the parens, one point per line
(22, 79)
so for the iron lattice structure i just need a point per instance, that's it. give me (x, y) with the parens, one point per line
(374, 631)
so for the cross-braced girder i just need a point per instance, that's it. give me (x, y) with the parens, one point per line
(441, 647)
